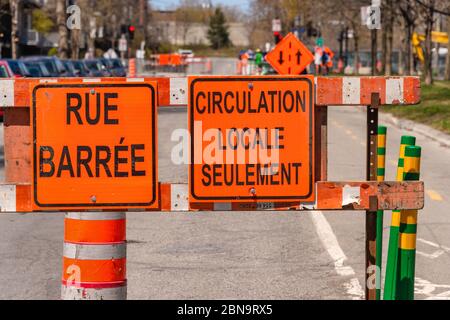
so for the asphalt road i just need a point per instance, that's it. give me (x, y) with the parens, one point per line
(245, 255)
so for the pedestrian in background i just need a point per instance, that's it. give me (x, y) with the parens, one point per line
(318, 53)
(258, 61)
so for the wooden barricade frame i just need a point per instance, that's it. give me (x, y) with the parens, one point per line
(369, 92)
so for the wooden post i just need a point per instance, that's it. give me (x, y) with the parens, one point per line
(321, 142)
(371, 214)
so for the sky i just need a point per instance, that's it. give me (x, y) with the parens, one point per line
(168, 4)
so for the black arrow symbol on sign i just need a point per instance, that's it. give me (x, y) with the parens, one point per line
(281, 58)
(298, 54)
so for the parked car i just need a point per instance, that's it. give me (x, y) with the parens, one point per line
(105, 67)
(115, 67)
(18, 68)
(187, 53)
(69, 67)
(79, 68)
(37, 69)
(96, 68)
(5, 70)
(54, 66)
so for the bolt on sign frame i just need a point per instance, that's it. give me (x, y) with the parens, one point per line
(370, 195)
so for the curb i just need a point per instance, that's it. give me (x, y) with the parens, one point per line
(442, 138)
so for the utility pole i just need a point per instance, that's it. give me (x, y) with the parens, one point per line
(345, 47)
(447, 65)
(373, 35)
(143, 14)
(341, 43)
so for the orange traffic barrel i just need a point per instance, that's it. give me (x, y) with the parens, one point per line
(94, 256)
(208, 66)
(132, 68)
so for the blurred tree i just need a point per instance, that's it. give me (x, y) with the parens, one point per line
(262, 12)
(218, 31)
(447, 65)
(63, 44)
(350, 12)
(14, 6)
(4, 8)
(430, 8)
(428, 17)
(188, 13)
(52, 52)
(42, 22)
(388, 12)
(409, 14)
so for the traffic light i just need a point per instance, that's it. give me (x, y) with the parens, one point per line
(277, 37)
(131, 30)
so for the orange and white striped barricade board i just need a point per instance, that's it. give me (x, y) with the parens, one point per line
(16, 101)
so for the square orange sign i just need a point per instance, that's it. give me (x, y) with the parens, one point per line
(252, 138)
(94, 145)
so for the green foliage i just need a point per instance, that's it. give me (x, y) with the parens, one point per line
(41, 21)
(191, 14)
(218, 34)
(165, 47)
(52, 52)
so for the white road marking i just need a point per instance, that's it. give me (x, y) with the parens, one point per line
(436, 254)
(434, 195)
(331, 244)
(426, 288)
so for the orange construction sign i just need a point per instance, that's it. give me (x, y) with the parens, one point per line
(290, 56)
(94, 145)
(252, 139)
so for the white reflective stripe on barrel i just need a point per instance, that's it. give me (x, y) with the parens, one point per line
(95, 251)
(78, 293)
(96, 215)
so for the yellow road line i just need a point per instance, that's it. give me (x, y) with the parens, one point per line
(434, 195)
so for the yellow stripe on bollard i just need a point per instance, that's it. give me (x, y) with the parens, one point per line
(381, 171)
(408, 241)
(390, 283)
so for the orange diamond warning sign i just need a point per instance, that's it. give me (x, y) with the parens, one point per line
(290, 56)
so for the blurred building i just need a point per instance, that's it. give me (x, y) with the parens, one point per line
(30, 41)
(166, 28)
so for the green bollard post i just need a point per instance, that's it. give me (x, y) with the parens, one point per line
(381, 154)
(390, 280)
(408, 230)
